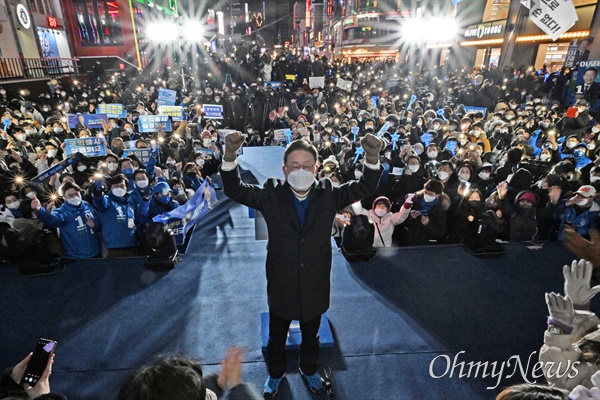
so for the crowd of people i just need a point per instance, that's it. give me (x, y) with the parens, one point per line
(471, 156)
(524, 162)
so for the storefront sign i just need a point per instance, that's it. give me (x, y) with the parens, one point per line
(488, 30)
(23, 16)
(52, 22)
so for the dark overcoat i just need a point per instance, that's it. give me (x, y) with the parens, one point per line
(298, 259)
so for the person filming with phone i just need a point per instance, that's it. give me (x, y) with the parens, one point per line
(299, 212)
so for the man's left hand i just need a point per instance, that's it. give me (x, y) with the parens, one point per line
(372, 146)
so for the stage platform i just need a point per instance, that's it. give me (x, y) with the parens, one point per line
(397, 321)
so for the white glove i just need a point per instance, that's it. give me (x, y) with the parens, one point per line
(577, 283)
(561, 310)
(583, 393)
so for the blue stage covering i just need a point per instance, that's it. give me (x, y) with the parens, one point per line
(390, 317)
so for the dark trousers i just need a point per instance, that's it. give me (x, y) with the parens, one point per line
(309, 349)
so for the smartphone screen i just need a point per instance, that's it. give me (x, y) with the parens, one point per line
(37, 363)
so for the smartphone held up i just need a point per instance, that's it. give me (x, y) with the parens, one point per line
(38, 362)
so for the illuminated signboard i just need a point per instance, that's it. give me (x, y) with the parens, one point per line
(488, 30)
(52, 22)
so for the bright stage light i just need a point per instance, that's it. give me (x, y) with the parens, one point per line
(430, 30)
(161, 32)
(193, 31)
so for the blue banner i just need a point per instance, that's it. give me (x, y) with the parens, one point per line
(56, 168)
(274, 85)
(112, 110)
(166, 97)
(175, 112)
(143, 155)
(90, 146)
(150, 123)
(92, 121)
(48, 44)
(181, 219)
(213, 111)
(469, 109)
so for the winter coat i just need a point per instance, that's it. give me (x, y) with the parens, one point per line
(117, 218)
(298, 262)
(414, 233)
(78, 239)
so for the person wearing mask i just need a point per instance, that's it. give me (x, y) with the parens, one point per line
(428, 218)
(159, 201)
(384, 220)
(191, 176)
(446, 175)
(299, 212)
(117, 216)
(77, 220)
(580, 212)
(470, 209)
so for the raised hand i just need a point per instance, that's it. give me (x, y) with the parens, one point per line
(577, 283)
(233, 142)
(372, 146)
(560, 309)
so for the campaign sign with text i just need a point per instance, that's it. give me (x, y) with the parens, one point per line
(181, 219)
(316, 82)
(90, 120)
(207, 153)
(175, 112)
(213, 111)
(112, 110)
(473, 109)
(150, 123)
(142, 154)
(166, 97)
(90, 146)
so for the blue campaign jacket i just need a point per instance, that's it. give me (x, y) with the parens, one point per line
(583, 222)
(115, 214)
(78, 239)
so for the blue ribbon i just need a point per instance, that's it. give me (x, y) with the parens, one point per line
(395, 138)
(358, 152)
(355, 130)
(441, 113)
(413, 98)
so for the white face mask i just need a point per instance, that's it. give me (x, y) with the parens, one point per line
(14, 205)
(81, 168)
(484, 175)
(582, 203)
(200, 161)
(432, 154)
(463, 142)
(58, 130)
(595, 129)
(112, 167)
(51, 153)
(476, 133)
(428, 198)
(21, 136)
(300, 180)
(380, 212)
(443, 175)
(414, 168)
(570, 145)
(141, 184)
(119, 192)
(75, 201)
(594, 179)
(544, 157)
(30, 195)
(463, 177)
(335, 184)
(206, 142)
(357, 174)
